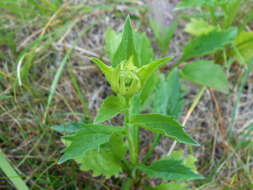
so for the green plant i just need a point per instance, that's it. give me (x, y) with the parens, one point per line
(133, 77)
(216, 19)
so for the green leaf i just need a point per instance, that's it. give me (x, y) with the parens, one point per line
(108, 71)
(163, 34)
(190, 162)
(198, 27)
(192, 3)
(126, 47)
(208, 43)
(88, 138)
(244, 43)
(143, 48)
(177, 155)
(147, 70)
(206, 73)
(111, 106)
(143, 99)
(112, 41)
(168, 97)
(68, 128)
(106, 161)
(172, 186)
(165, 125)
(169, 169)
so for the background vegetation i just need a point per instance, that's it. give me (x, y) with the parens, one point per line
(47, 79)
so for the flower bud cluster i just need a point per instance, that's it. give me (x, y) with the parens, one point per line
(127, 81)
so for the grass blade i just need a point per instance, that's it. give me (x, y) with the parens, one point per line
(60, 69)
(11, 173)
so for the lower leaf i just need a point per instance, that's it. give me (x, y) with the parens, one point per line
(169, 169)
(106, 161)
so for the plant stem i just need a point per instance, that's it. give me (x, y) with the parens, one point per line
(128, 129)
(212, 13)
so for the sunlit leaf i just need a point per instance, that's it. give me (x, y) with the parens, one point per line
(244, 43)
(206, 73)
(198, 27)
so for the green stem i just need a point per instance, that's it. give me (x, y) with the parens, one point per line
(129, 133)
(212, 13)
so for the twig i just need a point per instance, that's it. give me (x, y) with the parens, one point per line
(194, 104)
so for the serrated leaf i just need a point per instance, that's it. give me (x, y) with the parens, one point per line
(126, 47)
(143, 48)
(169, 169)
(206, 73)
(147, 70)
(68, 128)
(88, 138)
(111, 106)
(168, 97)
(208, 43)
(198, 27)
(165, 125)
(172, 186)
(184, 4)
(244, 43)
(106, 161)
(112, 41)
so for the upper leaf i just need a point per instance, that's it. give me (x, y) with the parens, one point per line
(112, 41)
(126, 47)
(198, 27)
(143, 48)
(208, 43)
(206, 73)
(169, 169)
(168, 97)
(106, 161)
(108, 71)
(147, 70)
(111, 106)
(88, 138)
(165, 125)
